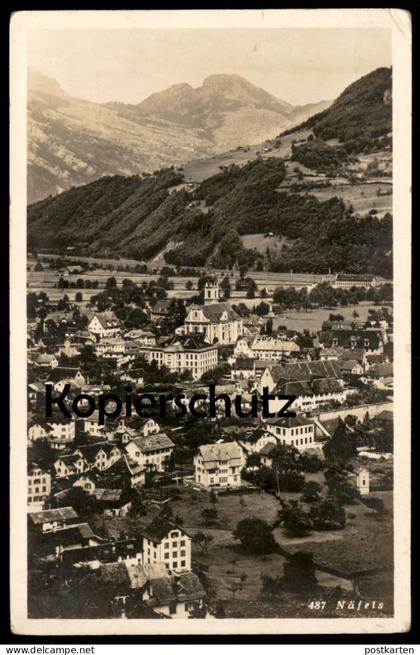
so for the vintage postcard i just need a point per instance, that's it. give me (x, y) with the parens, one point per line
(210, 329)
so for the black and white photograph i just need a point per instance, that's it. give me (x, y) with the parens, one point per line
(210, 321)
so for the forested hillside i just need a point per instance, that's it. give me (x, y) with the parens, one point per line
(361, 116)
(140, 217)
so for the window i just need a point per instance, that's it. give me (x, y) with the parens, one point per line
(183, 563)
(183, 553)
(182, 543)
(166, 556)
(175, 564)
(166, 545)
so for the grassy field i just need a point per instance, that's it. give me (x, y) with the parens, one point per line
(363, 197)
(313, 320)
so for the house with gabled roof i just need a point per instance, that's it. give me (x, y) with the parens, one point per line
(152, 451)
(181, 353)
(104, 324)
(99, 455)
(219, 465)
(166, 543)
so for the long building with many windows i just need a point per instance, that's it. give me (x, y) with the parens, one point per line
(183, 353)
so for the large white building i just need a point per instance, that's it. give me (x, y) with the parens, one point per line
(216, 321)
(219, 465)
(183, 353)
(166, 543)
(292, 431)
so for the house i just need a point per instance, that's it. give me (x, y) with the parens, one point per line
(371, 340)
(86, 481)
(69, 464)
(128, 550)
(150, 591)
(160, 310)
(214, 320)
(141, 337)
(62, 375)
(168, 544)
(264, 347)
(110, 347)
(266, 454)
(55, 543)
(252, 441)
(44, 360)
(113, 502)
(309, 394)
(36, 392)
(126, 473)
(144, 427)
(183, 353)
(99, 455)
(104, 324)
(243, 368)
(90, 425)
(381, 376)
(50, 520)
(39, 486)
(350, 367)
(299, 371)
(176, 596)
(219, 465)
(295, 431)
(152, 451)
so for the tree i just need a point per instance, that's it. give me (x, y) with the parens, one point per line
(295, 520)
(233, 563)
(79, 296)
(255, 536)
(209, 515)
(213, 498)
(342, 445)
(225, 286)
(311, 491)
(111, 283)
(299, 573)
(189, 285)
(375, 504)
(203, 541)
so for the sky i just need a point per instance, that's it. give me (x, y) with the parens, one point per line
(298, 65)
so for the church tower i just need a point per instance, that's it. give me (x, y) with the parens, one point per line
(211, 292)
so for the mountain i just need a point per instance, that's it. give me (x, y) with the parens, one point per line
(362, 113)
(73, 141)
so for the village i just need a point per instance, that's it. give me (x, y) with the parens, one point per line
(212, 517)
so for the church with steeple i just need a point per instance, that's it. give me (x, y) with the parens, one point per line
(216, 321)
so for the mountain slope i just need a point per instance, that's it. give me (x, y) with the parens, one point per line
(142, 217)
(73, 141)
(361, 113)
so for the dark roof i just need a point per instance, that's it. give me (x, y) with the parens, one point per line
(354, 277)
(188, 587)
(159, 441)
(47, 515)
(159, 528)
(306, 370)
(267, 449)
(289, 421)
(63, 373)
(184, 342)
(214, 311)
(385, 415)
(347, 337)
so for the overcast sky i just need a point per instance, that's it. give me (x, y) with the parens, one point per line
(297, 65)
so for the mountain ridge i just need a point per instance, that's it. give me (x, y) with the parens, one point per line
(72, 141)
